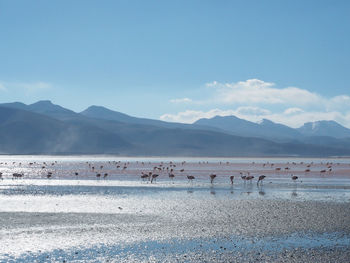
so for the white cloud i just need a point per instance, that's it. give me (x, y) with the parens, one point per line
(2, 87)
(298, 119)
(34, 86)
(252, 111)
(255, 91)
(292, 117)
(26, 86)
(190, 116)
(183, 100)
(338, 103)
(292, 111)
(256, 99)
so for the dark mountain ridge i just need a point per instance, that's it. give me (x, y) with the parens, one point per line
(45, 128)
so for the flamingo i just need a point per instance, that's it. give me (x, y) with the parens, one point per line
(294, 177)
(212, 177)
(17, 175)
(171, 176)
(154, 177)
(261, 178)
(190, 178)
(231, 179)
(249, 178)
(149, 176)
(105, 175)
(144, 176)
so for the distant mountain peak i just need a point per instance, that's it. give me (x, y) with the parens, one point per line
(97, 107)
(264, 129)
(45, 102)
(101, 112)
(46, 105)
(266, 121)
(220, 118)
(315, 125)
(325, 128)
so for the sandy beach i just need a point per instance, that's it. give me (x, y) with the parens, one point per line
(84, 218)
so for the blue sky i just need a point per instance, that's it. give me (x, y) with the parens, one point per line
(180, 60)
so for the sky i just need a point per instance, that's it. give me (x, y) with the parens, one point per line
(287, 61)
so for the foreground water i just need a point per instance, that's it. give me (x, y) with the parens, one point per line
(82, 218)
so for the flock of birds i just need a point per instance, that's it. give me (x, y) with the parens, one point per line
(169, 168)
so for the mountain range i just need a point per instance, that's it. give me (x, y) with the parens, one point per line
(46, 128)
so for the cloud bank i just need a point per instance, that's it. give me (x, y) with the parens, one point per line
(256, 99)
(25, 86)
(183, 100)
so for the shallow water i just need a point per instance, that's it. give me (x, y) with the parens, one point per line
(121, 218)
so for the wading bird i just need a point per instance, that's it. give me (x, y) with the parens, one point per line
(249, 178)
(144, 176)
(190, 178)
(294, 177)
(231, 179)
(260, 179)
(154, 177)
(212, 177)
(171, 176)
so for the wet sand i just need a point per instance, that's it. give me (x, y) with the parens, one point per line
(122, 219)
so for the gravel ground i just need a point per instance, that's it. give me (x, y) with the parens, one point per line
(237, 230)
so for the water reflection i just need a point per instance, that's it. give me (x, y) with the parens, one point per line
(261, 190)
(246, 192)
(212, 191)
(294, 193)
(231, 189)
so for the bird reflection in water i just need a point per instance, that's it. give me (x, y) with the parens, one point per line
(248, 192)
(212, 191)
(261, 190)
(231, 190)
(294, 193)
(247, 189)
